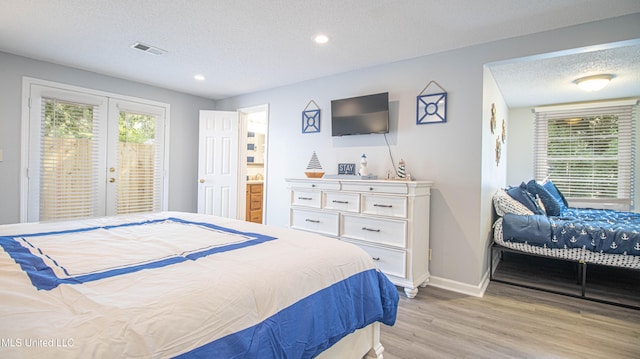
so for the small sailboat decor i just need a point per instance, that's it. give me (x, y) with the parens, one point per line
(314, 169)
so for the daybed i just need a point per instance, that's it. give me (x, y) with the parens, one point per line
(186, 285)
(534, 219)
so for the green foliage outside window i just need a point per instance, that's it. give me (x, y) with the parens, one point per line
(136, 128)
(67, 120)
(583, 155)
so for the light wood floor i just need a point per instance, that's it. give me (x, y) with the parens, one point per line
(509, 322)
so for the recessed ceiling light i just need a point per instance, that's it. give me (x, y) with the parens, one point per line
(199, 77)
(321, 39)
(593, 83)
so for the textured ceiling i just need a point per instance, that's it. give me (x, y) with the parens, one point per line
(251, 45)
(549, 78)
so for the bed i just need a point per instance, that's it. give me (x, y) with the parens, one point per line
(535, 219)
(185, 285)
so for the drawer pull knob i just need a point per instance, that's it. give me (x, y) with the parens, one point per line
(383, 205)
(343, 202)
(370, 229)
(313, 185)
(305, 198)
(312, 220)
(375, 258)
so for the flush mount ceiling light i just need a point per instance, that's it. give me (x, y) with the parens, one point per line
(321, 39)
(199, 77)
(593, 83)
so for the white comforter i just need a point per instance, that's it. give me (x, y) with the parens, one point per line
(159, 289)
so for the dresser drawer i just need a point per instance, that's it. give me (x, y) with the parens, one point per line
(255, 216)
(309, 184)
(380, 231)
(255, 201)
(392, 206)
(390, 261)
(314, 221)
(255, 188)
(381, 187)
(341, 201)
(306, 198)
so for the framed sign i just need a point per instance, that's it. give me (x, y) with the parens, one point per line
(346, 168)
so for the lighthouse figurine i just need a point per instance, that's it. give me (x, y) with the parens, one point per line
(401, 170)
(363, 166)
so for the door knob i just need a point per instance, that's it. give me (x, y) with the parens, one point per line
(201, 180)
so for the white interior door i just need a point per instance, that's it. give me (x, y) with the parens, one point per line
(218, 163)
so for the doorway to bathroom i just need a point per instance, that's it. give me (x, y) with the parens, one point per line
(253, 160)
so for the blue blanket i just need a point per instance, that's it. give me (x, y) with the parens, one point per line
(598, 230)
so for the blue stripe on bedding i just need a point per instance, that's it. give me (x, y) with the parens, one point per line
(313, 324)
(44, 278)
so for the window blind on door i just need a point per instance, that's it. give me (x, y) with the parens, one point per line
(140, 153)
(588, 152)
(68, 159)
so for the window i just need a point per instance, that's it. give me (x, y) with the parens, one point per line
(588, 151)
(90, 154)
(68, 149)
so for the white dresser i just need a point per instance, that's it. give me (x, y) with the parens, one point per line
(388, 219)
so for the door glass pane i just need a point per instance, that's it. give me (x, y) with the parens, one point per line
(137, 164)
(67, 160)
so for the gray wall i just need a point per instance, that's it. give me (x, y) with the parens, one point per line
(453, 154)
(183, 126)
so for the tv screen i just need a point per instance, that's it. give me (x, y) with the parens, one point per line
(360, 115)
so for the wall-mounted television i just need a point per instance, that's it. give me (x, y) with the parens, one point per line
(360, 115)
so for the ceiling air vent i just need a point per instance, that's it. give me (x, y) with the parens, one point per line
(147, 48)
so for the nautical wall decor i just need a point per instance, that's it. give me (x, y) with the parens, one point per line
(493, 122)
(431, 108)
(314, 169)
(311, 118)
(498, 150)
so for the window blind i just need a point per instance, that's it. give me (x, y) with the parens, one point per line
(140, 153)
(68, 159)
(588, 152)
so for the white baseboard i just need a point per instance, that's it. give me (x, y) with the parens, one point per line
(459, 287)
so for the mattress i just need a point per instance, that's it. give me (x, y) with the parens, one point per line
(182, 285)
(533, 242)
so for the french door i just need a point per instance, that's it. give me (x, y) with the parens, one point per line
(92, 155)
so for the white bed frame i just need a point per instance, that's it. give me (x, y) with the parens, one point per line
(363, 343)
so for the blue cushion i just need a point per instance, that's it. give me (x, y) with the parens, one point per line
(534, 229)
(556, 194)
(521, 195)
(551, 206)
